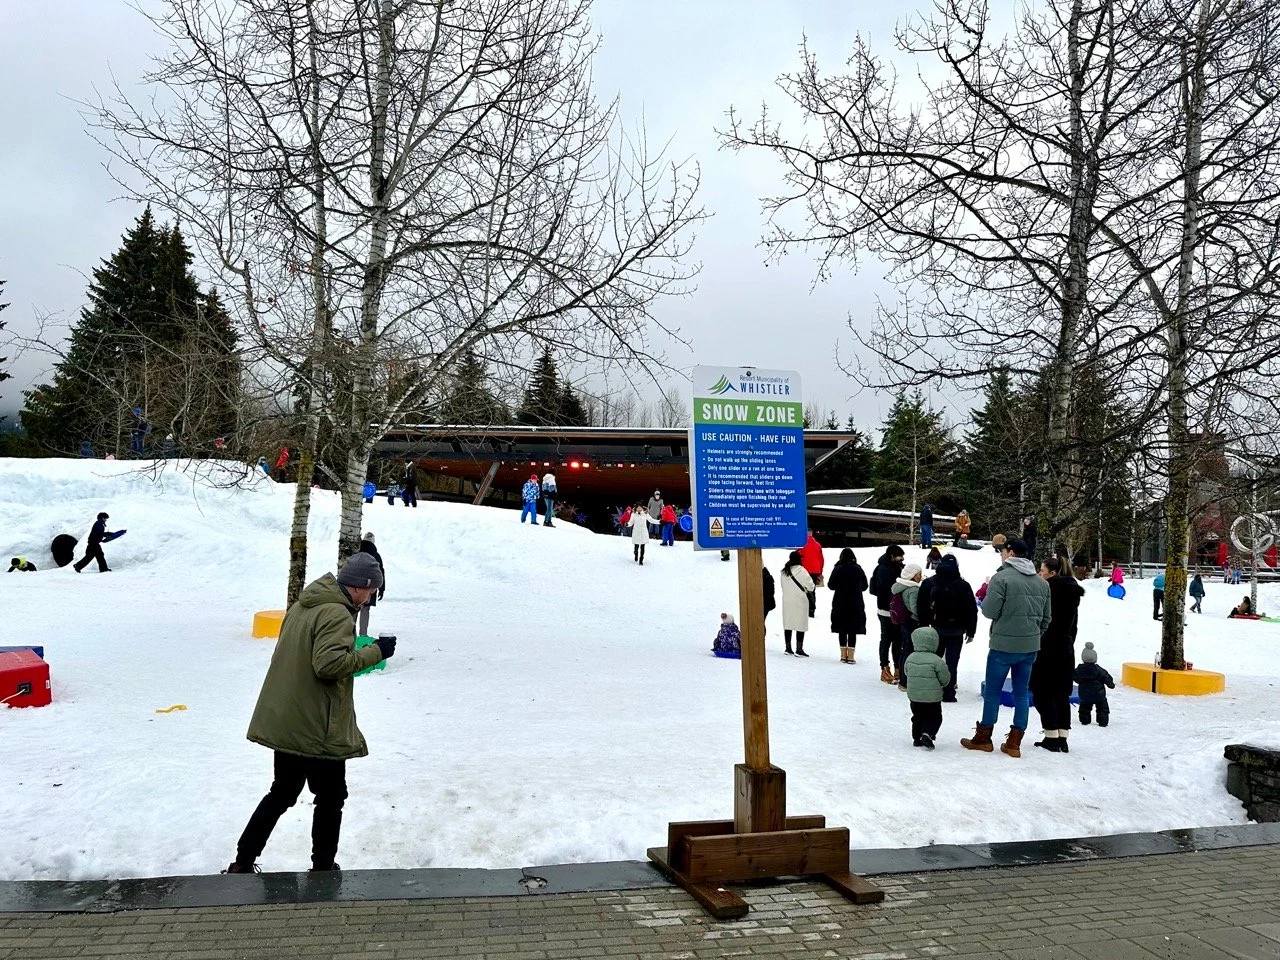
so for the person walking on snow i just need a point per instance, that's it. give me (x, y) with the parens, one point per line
(1157, 597)
(549, 491)
(926, 526)
(306, 711)
(655, 511)
(927, 677)
(1018, 606)
(530, 493)
(1117, 575)
(1056, 662)
(367, 546)
(639, 524)
(797, 585)
(888, 569)
(410, 492)
(1093, 682)
(814, 563)
(904, 612)
(848, 610)
(1197, 593)
(1029, 536)
(93, 551)
(668, 517)
(947, 604)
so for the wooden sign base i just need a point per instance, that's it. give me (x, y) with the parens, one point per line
(702, 856)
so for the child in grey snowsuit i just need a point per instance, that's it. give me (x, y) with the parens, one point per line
(1093, 682)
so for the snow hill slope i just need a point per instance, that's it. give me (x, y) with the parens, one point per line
(549, 701)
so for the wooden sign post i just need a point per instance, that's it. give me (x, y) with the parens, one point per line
(761, 841)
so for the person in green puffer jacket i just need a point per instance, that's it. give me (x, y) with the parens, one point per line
(306, 710)
(927, 676)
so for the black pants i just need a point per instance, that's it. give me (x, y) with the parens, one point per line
(925, 718)
(1157, 604)
(328, 782)
(902, 647)
(889, 632)
(93, 552)
(637, 552)
(1104, 710)
(799, 639)
(1054, 707)
(848, 640)
(952, 644)
(410, 496)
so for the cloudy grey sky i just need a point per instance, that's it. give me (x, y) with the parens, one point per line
(679, 64)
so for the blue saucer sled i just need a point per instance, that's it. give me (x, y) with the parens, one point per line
(1116, 591)
(1006, 694)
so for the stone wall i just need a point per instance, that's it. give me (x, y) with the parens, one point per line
(1253, 777)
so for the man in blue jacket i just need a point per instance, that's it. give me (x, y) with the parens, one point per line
(530, 495)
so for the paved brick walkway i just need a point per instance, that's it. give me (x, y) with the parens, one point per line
(1194, 906)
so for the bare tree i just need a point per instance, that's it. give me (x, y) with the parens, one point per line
(406, 179)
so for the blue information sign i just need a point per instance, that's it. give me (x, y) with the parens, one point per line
(746, 455)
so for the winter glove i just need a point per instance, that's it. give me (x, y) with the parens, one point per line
(387, 645)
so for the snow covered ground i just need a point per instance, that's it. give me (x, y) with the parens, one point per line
(549, 700)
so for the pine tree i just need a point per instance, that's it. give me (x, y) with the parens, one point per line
(149, 342)
(470, 401)
(852, 467)
(572, 412)
(917, 458)
(1002, 450)
(543, 397)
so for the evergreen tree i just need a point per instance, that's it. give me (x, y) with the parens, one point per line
(917, 458)
(852, 467)
(1002, 454)
(470, 400)
(147, 341)
(572, 412)
(543, 397)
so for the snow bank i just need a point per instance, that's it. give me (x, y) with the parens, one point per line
(550, 700)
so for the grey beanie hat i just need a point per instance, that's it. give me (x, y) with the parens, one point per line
(1089, 655)
(360, 570)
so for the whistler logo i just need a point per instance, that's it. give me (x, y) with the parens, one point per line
(721, 387)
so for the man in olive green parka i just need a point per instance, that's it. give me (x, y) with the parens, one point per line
(306, 710)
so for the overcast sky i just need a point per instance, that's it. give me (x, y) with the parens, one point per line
(678, 63)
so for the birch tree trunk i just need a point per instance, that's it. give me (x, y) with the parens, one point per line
(1181, 461)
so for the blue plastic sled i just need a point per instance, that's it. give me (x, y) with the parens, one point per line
(723, 655)
(114, 536)
(686, 523)
(1006, 694)
(1116, 590)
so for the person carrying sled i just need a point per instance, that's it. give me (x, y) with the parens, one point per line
(306, 710)
(93, 551)
(1093, 682)
(1018, 606)
(1117, 576)
(530, 494)
(21, 565)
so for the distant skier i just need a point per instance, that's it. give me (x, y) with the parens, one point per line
(306, 710)
(367, 546)
(639, 523)
(94, 549)
(21, 565)
(926, 526)
(529, 494)
(549, 491)
(410, 491)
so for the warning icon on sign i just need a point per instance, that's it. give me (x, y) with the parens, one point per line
(717, 526)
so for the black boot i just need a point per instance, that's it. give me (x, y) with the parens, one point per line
(1050, 744)
(786, 638)
(800, 647)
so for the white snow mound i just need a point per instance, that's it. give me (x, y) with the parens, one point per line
(549, 701)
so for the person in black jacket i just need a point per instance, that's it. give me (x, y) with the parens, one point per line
(367, 546)
(848, 581)
(1093, 681)
(410, 492)
(1051, 674)
(926, 526)
(94, 549)
(888, 569)
(946, 603)
(770, 601)
(1029, 535)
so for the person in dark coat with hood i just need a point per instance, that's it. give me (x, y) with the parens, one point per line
(848, 582)
(947, 604)
(368, 546)
(888, 569)
(1051, 674)
(926, 526)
